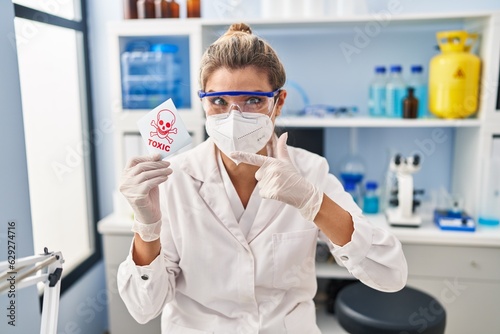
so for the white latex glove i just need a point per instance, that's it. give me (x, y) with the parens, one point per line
(279, 180)
(139, 185)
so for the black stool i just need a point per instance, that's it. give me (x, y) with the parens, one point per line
(363, 310)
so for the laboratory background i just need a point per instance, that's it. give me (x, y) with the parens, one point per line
(400, 96)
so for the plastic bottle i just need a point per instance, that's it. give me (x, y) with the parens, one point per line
(169, 72)
(150, 75)
(376, 102)
(419, 83)
(410, 104)
(371, 198)
(395, 92)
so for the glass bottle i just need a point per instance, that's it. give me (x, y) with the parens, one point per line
(371, 198)
(410, 104)
(376, 103)
(129, 9)
(158, 9)
(193, 8)
(146, 9)
(419, 83)
(173, 9)
(395, 92)
(162, 9)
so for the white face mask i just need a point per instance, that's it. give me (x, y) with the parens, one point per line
(246, 132)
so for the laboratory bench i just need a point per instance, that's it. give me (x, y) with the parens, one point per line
(460, 269)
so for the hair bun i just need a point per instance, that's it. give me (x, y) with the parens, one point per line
(239, 27)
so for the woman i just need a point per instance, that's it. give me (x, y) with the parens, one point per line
(225, 234)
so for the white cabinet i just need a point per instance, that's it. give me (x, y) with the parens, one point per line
(117, 238)
(313, 52)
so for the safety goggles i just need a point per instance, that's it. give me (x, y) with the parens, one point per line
(217, 103)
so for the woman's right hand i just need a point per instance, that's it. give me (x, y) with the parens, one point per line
(139, 185)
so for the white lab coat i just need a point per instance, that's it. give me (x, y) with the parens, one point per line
(212, 278)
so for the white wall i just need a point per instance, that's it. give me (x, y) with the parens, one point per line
(14, 191)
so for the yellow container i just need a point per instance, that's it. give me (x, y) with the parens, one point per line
(454, 76)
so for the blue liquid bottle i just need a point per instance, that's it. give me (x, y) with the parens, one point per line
(419, 83)
(371, 198)
(395, 93)
(376, 102)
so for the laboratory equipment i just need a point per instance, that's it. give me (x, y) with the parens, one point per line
(352, 173)
(377, 93)
(410, 104)
(419, 83)
(395, 92)
(129, 9)
(352, 189)
(174, 9)
(489, 212)
(146, 9)
(403, 214)
(166, 9)
(324, 110)
(454, 76)
(352, 169)
(193, 8)
(30, 270)
(150, 76)
(452, 220)
(371, 198)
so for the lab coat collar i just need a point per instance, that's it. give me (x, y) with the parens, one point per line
(201, 164)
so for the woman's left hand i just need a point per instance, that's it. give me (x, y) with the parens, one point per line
(279, 180)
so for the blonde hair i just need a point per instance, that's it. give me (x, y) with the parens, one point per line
(239, 48)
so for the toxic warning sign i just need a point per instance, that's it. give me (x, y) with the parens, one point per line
(163, 131)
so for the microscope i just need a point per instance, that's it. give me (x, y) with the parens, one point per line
(403, 211)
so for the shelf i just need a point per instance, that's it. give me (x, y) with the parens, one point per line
(301, 22)
(331, 122)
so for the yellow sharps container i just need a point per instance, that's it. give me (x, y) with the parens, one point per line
(454, 76)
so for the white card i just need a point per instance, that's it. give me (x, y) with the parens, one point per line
(163, 130)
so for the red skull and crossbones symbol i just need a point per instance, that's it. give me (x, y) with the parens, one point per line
(164, 125)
